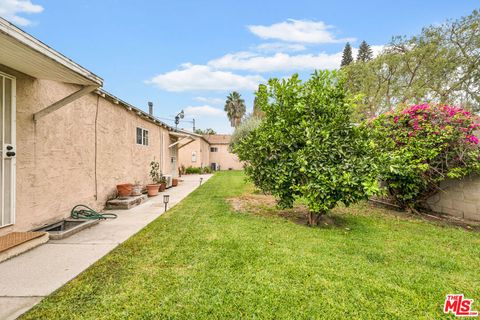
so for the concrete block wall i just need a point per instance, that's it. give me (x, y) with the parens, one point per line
(460, 198)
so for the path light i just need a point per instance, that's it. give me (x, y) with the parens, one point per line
(166, 197)
(201, 179)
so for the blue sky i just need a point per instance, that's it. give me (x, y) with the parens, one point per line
(189, 54)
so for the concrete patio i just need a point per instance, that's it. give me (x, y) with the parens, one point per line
(29, 277)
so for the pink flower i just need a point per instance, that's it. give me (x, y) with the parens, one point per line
(472, 139)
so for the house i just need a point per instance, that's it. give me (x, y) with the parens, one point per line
(209, 151)
(66, 141)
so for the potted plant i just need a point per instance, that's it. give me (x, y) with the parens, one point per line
(152, 189)
(174, 182)
(163, 184)
(137, 189)
(124, 189)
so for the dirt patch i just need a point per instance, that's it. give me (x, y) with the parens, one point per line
(265, 205)
(427, 215)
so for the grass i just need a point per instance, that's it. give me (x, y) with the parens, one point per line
(203, 260)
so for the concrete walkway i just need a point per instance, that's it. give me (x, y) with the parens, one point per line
(29, 277)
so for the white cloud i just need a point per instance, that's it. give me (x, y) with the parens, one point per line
(276, 62)
(192, 77)
(214, 101)
(204, 110)
(376, 49)
(299, 31)
(250, 61)
(279, 47)
(10, 10)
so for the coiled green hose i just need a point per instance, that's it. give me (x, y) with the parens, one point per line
(89, 213)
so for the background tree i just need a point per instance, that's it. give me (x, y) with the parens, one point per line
(235, 108)
(306, 146)
(257, 111)
(347, 57)
(250, 123)
(438, 66)
(208, 131)
(365, 53)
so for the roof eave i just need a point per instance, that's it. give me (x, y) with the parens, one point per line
(43, 49)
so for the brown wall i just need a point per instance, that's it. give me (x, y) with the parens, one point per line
(225, 158)
(75, 155)
(201, 147)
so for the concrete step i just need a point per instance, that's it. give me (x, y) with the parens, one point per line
(126, 203)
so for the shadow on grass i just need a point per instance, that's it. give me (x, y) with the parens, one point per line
(266, 206)
(340, 217)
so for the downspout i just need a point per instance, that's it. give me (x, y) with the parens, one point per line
(162, 151)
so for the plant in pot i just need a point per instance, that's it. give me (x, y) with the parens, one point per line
(124, 190)
(152, 189)
(174, 182)
(137, 189)
(163, 183)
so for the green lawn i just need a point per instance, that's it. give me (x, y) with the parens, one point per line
(202, 260)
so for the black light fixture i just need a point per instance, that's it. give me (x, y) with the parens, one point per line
(166, 198)
(179, 116)
(201, 179)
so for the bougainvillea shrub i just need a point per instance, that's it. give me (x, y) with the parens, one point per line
(423, 145)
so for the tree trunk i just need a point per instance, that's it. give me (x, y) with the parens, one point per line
(314, 218)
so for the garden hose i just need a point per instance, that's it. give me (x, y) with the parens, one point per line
(88, 213)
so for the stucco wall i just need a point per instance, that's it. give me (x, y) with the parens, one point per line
(75, 155)
(225, 158)
(460, 198)
(202, 150)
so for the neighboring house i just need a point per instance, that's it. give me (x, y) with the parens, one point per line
(209, 151)
(65, 141)
(195, 153)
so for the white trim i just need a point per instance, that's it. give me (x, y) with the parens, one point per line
(2, 143)
(14, 159)
(62, 102)
(143, 136)
(38, 46)
(12, 186)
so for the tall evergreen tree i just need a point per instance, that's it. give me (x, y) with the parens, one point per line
(347, 56)
(257, 111)
(365, 53)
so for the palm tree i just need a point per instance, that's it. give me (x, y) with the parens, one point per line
(235, 108)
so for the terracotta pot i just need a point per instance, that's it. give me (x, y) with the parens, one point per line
(174, 182)
(152, 190)
(124, 190)
(137, 190)
(162, 187)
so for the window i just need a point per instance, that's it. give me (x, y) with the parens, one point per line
(194, 156)
(213, 149)
(142, 136)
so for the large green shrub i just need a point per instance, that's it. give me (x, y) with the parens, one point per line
(248, 125)
(193, 170)
(306, 146)
(423, 145)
